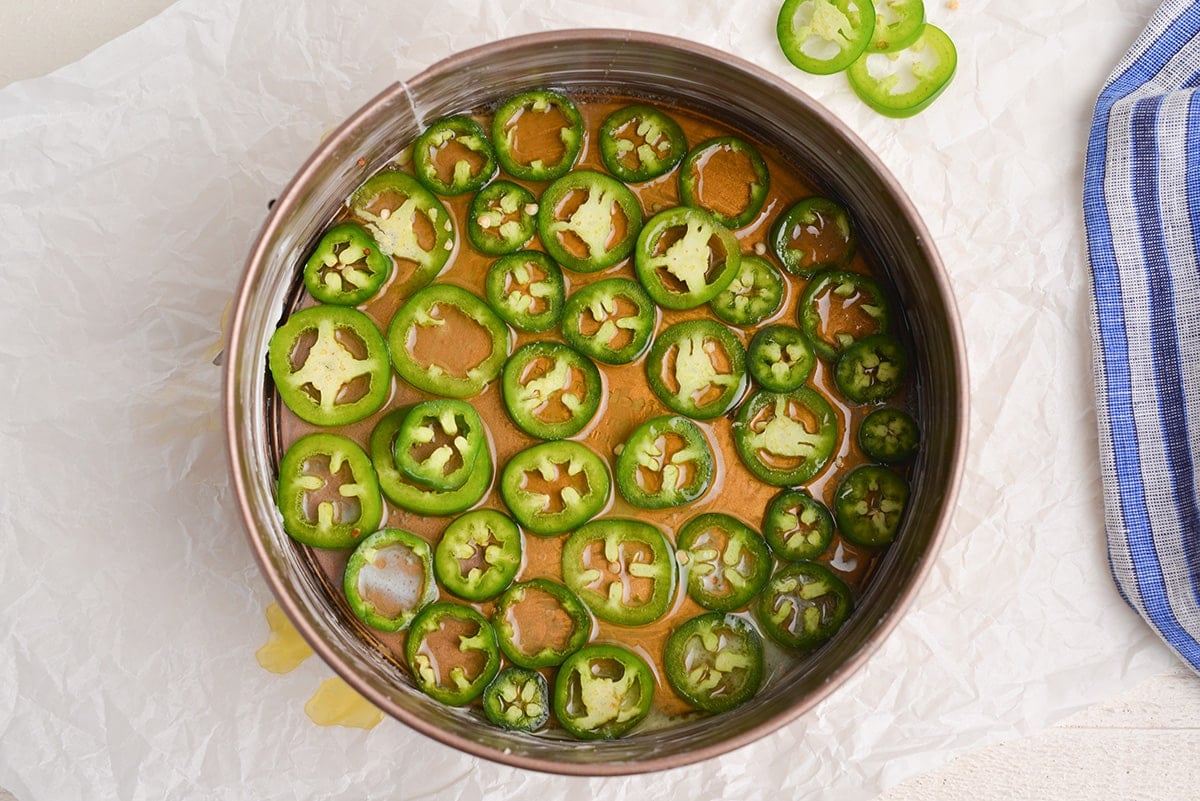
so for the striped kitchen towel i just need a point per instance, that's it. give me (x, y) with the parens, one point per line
(1141, 206)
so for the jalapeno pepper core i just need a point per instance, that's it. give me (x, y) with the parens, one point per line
(890, 436)
(797, 526)
(452, 652)
(803, 605)
(824, 36)
(786, 438)
(727, 561)
(328, 492)
(684, 257)
(714, 661)
(526, 289)
(347, 267)
(555, 487)
(472, 160)
(415, 497)
(550, 390)
(602, 691)
(611, 320)
(409, 223)
(478, 555)
(665, 462)
(840, 307)
(624, 570)
(869, 505)
(588, 221)
(697, 368)
(518, 700)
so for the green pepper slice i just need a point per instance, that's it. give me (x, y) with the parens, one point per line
(898, 23)
(409, 223)
(736, 168)
(439, 442)
(414, 497)
(478, 555)
(824, 36)
(890, 436)
(526, 289)
(612, 320)
(502, 219)
(685, 258)
(602, 692)
(665, 462)
(550, 391)
(453, 156)
(330, 365)
(872, 369)
(838, 308)
(452, 653)
(814, 234)
(447, 321)
(539, 623)
(588, 221)
(389, 579)
(517, 700)
(640, 143)
(555, 486)
(624, 570)
(903, 82)
(869, 504)
(525, 126)
(785, 438)
(754, 294)
(797, 526)
(697, 368)
(328, 492)
(780, 358)
(347, 267)
(714, 661)
(727, 561)
(803, 605)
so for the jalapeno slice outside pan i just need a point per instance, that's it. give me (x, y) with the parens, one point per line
(526, 289)
(898, 23)
(714, 661)
(328, 492)
(603, 691)
(478, 555)
(409, 223)
(803, 605)
(871, 369)
(453, 156)
(697, 368)
(502, 219)
(890, 436)
(624, 570)
(754, 294)
(347, 267)
(447, 321)
(439, 442)
(840, 307)
(588, 221)
(555, 486)
(612, 320)
(824, 36)
(785, 438)
(665, 462)
(797, 526)
(685, 258)
(727, 561)
(529, 125)
(814, 234)
(539, 623)
(550, 390)
(727, 178)
(414, 497)
(389, 579)
(452, 652)
(869, 504)
(330, 365)
(640, 143)
(517, 700)
(901, 83)
(780, 358)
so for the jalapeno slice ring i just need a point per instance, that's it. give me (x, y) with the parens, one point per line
(640, 143)
(539, 623)
(452, 652)
(328, 492)
(439, 442)
(703, 167)
(478, 555)
(869, 505)
(754, 294)
(727, 561)
(797, 526)
(780, 358)
(824, 36)
(555, 486)
(665, 462)
(526, 289)
(815, 234)
(550, 391)
(931, 60)
(588, 221)
(518, 700)
(803, 605)
(786, 438)
(872, 369)
(624, 570)
(685, 257)
(502, 219)
(697, 368)
(409, 223)
(714, 661)
(347, 267)
(508, 138)
(890, 436)
(389, 579)
(840, 307)
(462, 143)
(612, 320)
(602, 692)
(898, 23)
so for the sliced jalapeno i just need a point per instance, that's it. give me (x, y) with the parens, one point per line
(540, 623)
(869, 504)
(526, 289)
(780, 358)
(409, 223)
(786, 438)
(452, 652)
(330, 365)
(446, 341)
(530, 125)
(824, 36)
(639, 143)
(838, 308)
(503, 218)
(727, 561)
(814, 234)
(872, 369)
(803, 605)
(603, 691)
(347, 267)
(665, 462)
(328, 492)
(555, 486)
(588, 221)
(439, 442)
(754, 294)
(389, 579)
(478, 555)
(685, 258)
(697, 368)
(898, 23)
(734, 167)
(550, 390)
(797, 526)
(611, 321)
(624, 570)
(453, 156)
(902, 82)
(518, 700)
(890, 436)
(714, 661)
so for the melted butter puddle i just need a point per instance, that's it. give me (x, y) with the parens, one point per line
(285, 649)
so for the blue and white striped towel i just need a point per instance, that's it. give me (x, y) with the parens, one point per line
(1142, 211)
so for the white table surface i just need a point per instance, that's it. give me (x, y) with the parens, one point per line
(1141, 744)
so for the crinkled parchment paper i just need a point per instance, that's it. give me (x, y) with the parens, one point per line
(132, 185)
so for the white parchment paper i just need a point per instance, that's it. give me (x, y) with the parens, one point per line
(131, 185)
